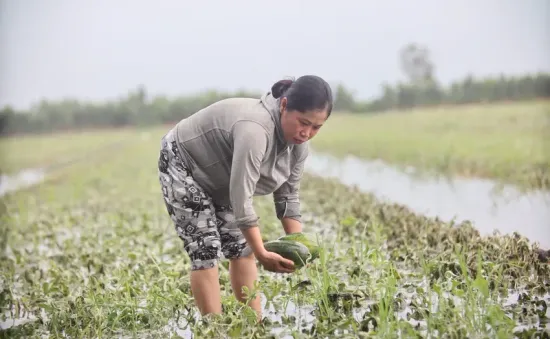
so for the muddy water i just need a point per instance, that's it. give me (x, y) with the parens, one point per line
(476, 200)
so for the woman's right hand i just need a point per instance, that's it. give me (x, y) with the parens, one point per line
(274, 262)
(271, 261)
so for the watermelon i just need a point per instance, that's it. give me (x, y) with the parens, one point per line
(289, 249)
(302, 238)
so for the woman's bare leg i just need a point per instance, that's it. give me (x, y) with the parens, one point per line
(243, 272)
(205, 286)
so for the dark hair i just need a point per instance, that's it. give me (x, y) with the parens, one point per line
(309, 92)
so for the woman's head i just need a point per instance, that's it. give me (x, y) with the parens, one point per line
(305, 105)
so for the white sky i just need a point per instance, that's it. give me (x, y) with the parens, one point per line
(100, 49)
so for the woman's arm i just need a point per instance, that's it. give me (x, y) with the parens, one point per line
(291, 225)
(250, 142)
(287, 199)
(254, 239)
(270, 261)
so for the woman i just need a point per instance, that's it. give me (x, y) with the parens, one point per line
(212, 163)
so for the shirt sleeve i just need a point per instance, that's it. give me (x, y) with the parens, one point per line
(249, 149)
(286, 197)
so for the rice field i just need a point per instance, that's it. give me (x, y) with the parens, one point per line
(91, 253)
(508, 142)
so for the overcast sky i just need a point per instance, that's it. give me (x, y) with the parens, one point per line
(100, 49)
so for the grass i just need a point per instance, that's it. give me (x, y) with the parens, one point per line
(30, 151)
(92, 253)
(508, 142)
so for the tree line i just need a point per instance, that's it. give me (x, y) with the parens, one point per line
(470, 90)
(420, 89)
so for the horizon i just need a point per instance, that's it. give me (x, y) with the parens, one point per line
(191, 93)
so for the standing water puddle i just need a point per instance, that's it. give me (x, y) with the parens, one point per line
(22, 179)
(459, 199)
(33, 176)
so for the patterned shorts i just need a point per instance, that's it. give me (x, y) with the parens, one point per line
(208, 230)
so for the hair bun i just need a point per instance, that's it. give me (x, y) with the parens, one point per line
(280, 87)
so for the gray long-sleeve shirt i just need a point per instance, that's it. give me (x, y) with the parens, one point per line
(235, 150)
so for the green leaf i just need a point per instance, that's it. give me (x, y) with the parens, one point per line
(482, 285)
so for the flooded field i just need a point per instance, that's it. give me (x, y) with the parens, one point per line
(504, 142)
(488, 205)
(92, 253)
(20, 180)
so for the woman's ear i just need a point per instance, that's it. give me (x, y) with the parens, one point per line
(283, 104)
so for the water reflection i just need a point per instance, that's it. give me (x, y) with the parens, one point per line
(458, 199)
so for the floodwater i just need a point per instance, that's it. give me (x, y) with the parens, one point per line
(475, 200)
(458, 199)
(24, 178)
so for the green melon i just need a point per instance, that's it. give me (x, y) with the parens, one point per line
(289, 249)
(302, 238)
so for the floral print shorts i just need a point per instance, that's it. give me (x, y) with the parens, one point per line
(208, 230)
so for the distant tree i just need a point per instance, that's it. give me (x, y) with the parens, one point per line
(6, 118)
(344, 99)
(416, 64)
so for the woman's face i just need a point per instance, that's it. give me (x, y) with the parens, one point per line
(300, 127)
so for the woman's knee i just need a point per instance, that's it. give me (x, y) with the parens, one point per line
(202, 272)
(243, 267)
(245, 256)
